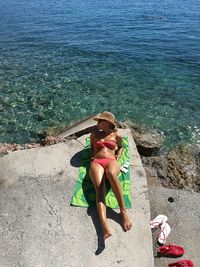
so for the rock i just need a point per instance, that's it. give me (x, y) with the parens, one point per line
(5, 148)
(17, 147)
(55, 130)
(152, 177)
(51, 140)
(178, 168)
(148, 141)
(183, 165)
(32, 145)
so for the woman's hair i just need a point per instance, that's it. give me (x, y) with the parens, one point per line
(113, 128)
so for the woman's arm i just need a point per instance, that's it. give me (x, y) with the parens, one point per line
(120, 147)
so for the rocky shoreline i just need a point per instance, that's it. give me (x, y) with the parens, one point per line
(178, 168)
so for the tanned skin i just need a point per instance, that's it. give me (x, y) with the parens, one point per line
(97, 174)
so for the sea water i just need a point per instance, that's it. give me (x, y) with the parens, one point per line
(62, 60)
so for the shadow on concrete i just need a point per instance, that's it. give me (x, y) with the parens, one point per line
(80, 158)
(88, 188)
(93, 213)
(111, 214)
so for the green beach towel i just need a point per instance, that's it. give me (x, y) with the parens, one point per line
(84, 192)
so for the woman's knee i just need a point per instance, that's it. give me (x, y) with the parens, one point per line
(111, 174)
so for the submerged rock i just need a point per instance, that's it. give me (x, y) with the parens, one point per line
(59, 129)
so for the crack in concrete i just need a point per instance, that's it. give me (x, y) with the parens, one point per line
(58, 218)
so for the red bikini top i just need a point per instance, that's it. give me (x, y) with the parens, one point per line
(109, 144)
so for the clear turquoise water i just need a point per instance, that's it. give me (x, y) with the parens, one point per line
(63, 60)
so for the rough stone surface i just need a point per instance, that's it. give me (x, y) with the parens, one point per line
(183, 217)
(39, 228)
(5, 148)
(179, 168)
(148, 141)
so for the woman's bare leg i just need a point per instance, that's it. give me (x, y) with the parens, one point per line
(112, 171)
(96, 175)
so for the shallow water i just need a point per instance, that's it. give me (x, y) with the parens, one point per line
(64, 60)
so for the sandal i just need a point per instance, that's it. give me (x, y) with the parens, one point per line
(181, 263)
(160, 219)
(171, 250)
(165, 229)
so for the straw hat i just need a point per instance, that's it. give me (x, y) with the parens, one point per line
(106, 116)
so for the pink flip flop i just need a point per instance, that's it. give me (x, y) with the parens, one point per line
(165, 229)
(181, 263)
(160, 219)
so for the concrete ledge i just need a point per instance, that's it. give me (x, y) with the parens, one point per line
(183, 217)
(39, 228)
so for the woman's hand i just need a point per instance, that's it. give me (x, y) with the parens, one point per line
(120, 147)
(117, 157)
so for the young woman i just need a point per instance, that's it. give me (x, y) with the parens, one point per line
(106, 149)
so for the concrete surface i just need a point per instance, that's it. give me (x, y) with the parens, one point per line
(39, 228)
(85, 123)
(183, 217)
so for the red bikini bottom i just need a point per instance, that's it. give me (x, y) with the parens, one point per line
(103, 161)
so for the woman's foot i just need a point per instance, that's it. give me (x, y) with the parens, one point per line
(126, 222)
(106, 231)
